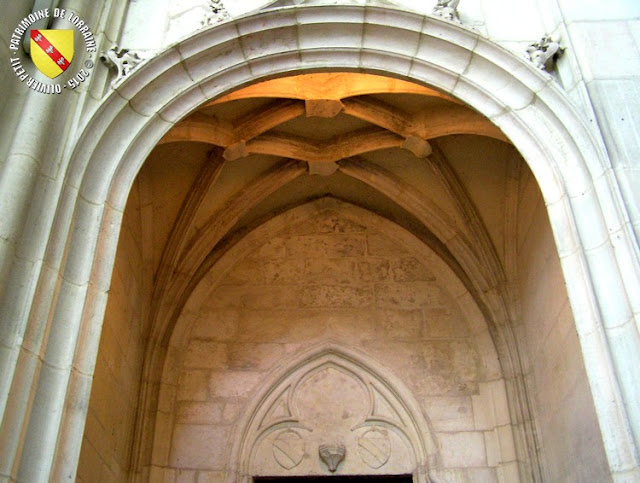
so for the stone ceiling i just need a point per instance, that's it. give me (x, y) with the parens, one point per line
(406, 152)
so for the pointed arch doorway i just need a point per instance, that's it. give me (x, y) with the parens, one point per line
(495, 84)
(338, 479)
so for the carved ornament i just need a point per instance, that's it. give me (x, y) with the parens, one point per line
(544, 53)
(332, 455)
(123, 61)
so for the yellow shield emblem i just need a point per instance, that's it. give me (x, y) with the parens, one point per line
(52, 51)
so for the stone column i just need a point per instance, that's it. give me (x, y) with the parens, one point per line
(35, 385)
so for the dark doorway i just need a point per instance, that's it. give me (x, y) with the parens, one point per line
(337, 479)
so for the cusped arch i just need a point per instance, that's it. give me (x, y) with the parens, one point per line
(571, 167)
(423, 454)
(387, 408)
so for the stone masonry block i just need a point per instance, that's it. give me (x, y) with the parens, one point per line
(220, 324)
(247, 271)
(411, 295)
(380, 245)
(450, 413)
(483, 409)
(507, 445)
(462, 450)
(192, 386)
(210, 477)
(442, 323)
(274, 248)
(199, 447)
(233, 383)
(336, 296)
(410, 269)
(374, 270)
(329, 223)
(287, 271)
(331, 270)
(494, 457)
(199, 412)
(281, 325)
(254, 356)
(400, 324)
(500, 403)
(331, 246)
(205, 354)
(186, 476)
(255, 297)
(452, 358)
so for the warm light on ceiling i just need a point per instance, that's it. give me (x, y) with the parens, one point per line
(330, 85)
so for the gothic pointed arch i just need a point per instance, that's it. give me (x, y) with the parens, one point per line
(592, 233)
(333, 395)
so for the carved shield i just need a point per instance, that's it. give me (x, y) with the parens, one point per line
(288, 449)
(374, 447)
(52, 51)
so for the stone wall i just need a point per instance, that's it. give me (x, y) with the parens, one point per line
(571, 444)
(14, 93)
(336, 278)
(110, 426)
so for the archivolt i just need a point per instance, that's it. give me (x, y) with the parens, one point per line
(525, 104)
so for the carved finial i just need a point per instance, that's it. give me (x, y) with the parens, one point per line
(332, 455)
(123, 61)
(544, 53)
(217, 13)
(448, 10)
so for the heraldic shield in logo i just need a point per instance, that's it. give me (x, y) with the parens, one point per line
(52, 51)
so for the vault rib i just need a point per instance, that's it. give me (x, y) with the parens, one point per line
(338, 148)
(259, 122)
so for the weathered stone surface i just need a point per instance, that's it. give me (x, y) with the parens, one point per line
(450, 413)
(232, 296)
(409, 269)
(413, 295)
(443, 323)
(328, 271)
(244, 272)
(283, 272)
(326, 246)
(199, 413)
(254, 356)
(233, 383)
(203, 354)
(336, 296)
(192, 386)
(380, 245)
(216, 324)
(374, 270)
(389, 305)
(470, 201)
(463, 449)
(198, 446)
(400, 324)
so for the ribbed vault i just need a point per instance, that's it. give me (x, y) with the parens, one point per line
(235, 163)
(388, 146)
(359, 146)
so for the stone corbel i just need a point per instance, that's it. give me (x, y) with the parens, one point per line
(332, 455)
(123, 61)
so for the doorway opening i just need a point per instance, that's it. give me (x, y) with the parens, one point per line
(336, 479)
